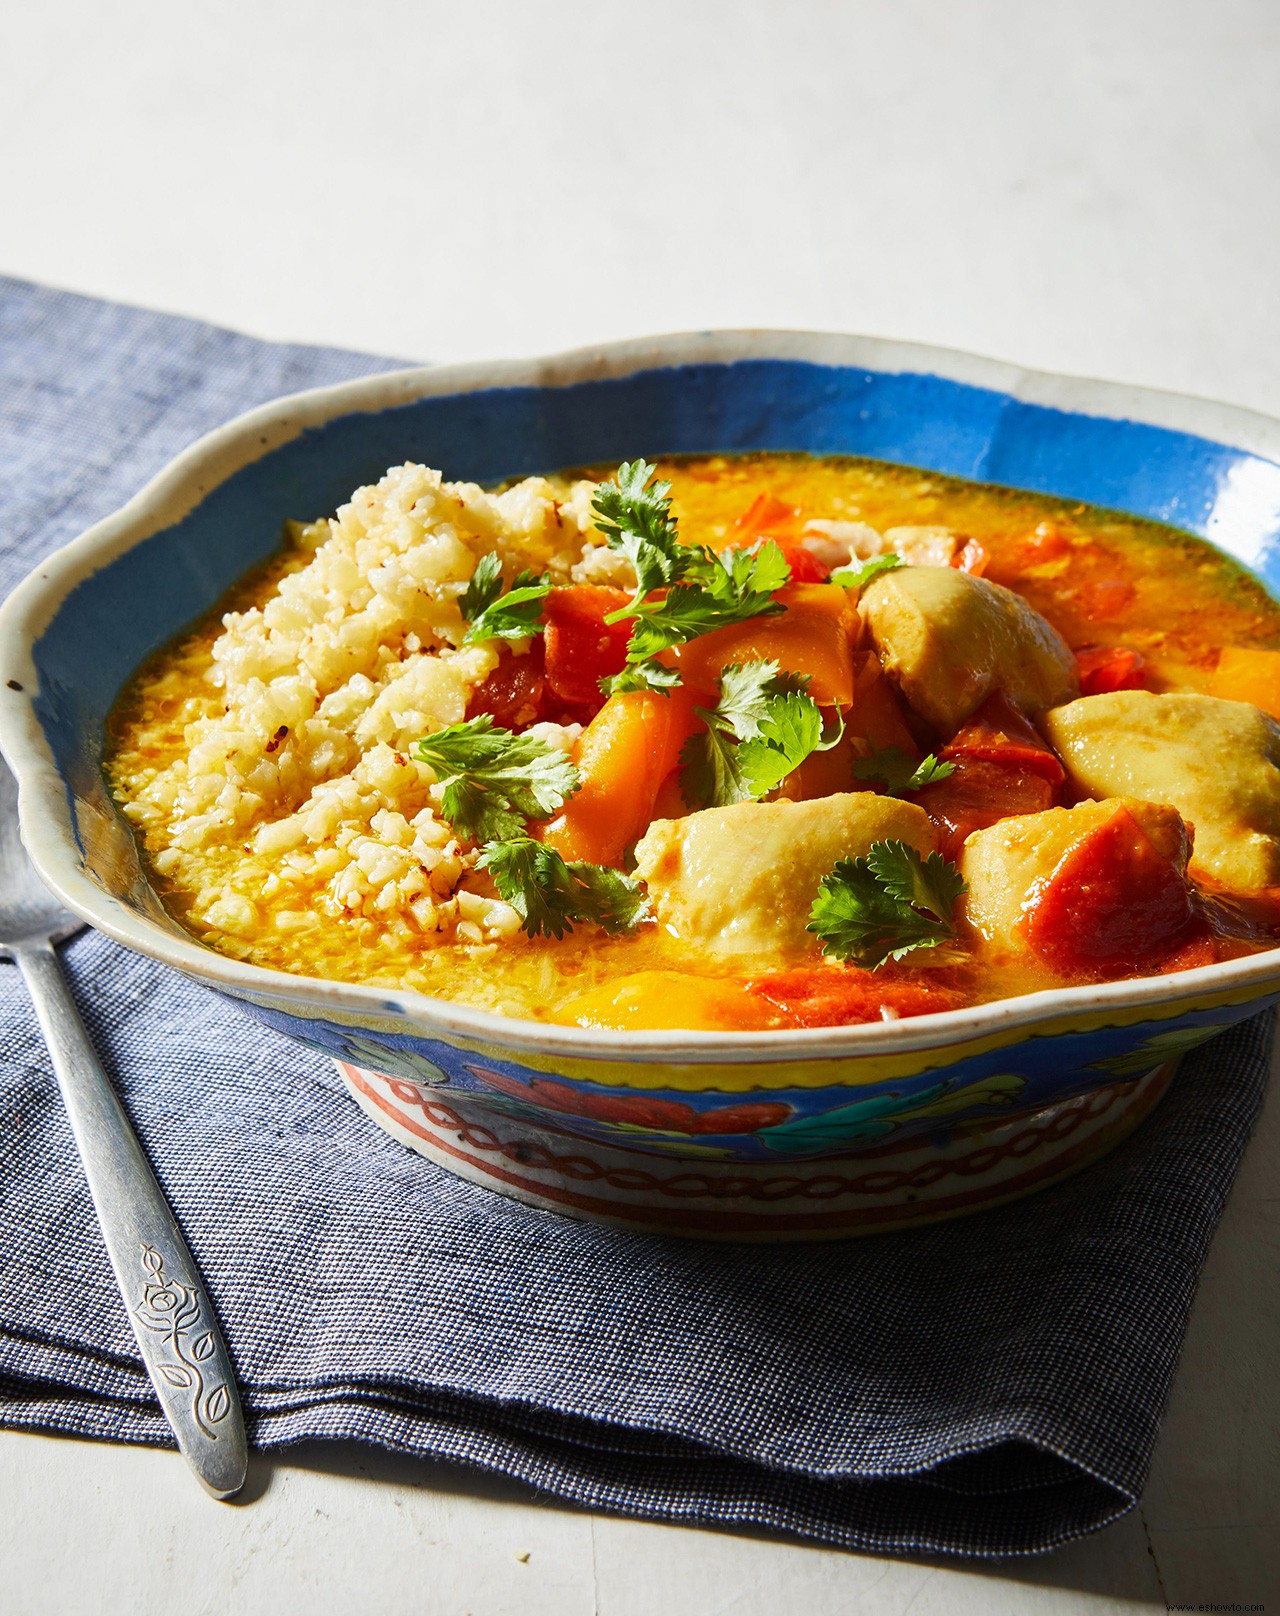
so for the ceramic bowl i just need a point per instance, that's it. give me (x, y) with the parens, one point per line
(783, 1134)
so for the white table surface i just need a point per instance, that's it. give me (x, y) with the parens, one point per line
(1087, 187)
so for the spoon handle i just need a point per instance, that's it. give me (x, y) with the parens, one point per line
(168, 1306)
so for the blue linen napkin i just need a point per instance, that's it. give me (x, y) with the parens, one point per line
(985, 1387)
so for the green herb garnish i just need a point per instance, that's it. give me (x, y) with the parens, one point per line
(635, 518)
(549, 894)
(861, 573)
(881, 907)
(761, 729)
(495, 614)
(641, 676)
(898, 772)
(703, 591)
(494, 780)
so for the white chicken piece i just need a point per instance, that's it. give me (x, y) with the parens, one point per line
(744, 878)
(949, 640)
(1217, 762)
(1002, 864)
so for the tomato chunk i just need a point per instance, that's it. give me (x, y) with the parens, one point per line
(1114, 903)
(1104, 668)
(766, 515)
(999, 733)
(581, 648)
(805, 566)
(839, 996)
(514, 694)
(979, 794)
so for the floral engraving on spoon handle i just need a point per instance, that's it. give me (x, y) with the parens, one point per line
(174, 1312)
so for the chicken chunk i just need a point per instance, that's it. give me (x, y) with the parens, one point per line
(1003, 864)
(744, 878)
(1217, 762)
(950, 639)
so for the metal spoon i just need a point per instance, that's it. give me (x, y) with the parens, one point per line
(168, 1305)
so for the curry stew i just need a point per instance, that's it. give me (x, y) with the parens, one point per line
(890, 743)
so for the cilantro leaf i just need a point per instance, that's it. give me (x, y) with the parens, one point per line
(635, 518)
(696, 590)
(861, 573)
(790, 731)
(512, 615)
(484, 588)
(641, 676)
(709, 772)
(898, 772)
(549, 894)
(869, 910)
(494, 780)
(717, 595)
(764, 725)
(932, 884)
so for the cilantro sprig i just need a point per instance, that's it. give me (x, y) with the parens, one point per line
(762, 727)
(882, 907)
(648, 675)
(550, 894)
(494, 780)
(682, 590)
(497, 614)
(897, 772)
(636, 520)
(862, 573)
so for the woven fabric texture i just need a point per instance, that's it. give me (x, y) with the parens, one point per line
(986, 1387)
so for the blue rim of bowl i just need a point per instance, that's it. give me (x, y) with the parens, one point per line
(47, 823)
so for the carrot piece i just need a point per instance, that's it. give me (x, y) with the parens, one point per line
(971, 558)
(1104, 668)
(1114, 902)
(623, 756)
(814, 635)
(581, 648)
(1244, 674)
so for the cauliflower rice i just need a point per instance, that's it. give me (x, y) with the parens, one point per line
(266, 767)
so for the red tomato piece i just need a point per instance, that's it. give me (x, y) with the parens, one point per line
(514, 694)
(1114, 903)
(805, 566)
(1105, 668)
(841, 995)
(581, 648)
(765, 514)
(971, 558)
(979, 794)
(999, 733)
(1105, 598)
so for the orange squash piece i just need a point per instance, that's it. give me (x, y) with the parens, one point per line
(623, 756)
(1247, 675)
(814, 634)
(651, 1001)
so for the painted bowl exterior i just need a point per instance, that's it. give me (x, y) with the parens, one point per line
(71, 635)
